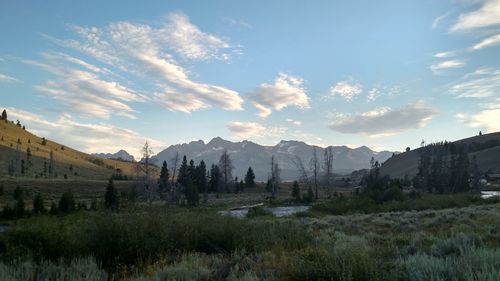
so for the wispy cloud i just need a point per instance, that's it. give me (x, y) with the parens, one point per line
(6, 78)
(79, 86)
(448, 54)
(237, 22)
(147, 52)
(440, 67)
(485, 118)
(87, 137)
(286, 91)
(252, 130)
(384, 121)
(487, 42)
(487, 15)
(436, 22)
(294, 122)
(346, 89)
(482, 83)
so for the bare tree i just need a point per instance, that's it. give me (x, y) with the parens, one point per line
(314, 163)
(299, 165)
(148, 171)
(226, 168)
(328, 168)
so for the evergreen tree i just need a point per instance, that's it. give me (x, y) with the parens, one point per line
(67, 202)
(200, 178)
(226, 168)
(236, 185)
(214, 178)
(111, 200)
(53, 209)
(192, 194)
(250, 178)
(191, 171)
(183, 175)
(4, 114)
(163, 182)
(296, 191)
(38, 204)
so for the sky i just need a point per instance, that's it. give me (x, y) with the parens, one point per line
(100, 76)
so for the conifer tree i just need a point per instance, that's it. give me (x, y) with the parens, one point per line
(296, 191)
(163, 182)
(4, 114)
(38, 204)
(192, 194)
(111, 200)
(183, 176)
(250, 178)
(67, 202)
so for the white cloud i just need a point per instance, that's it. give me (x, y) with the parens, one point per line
(144, 51)
(87, 137)
(373, 94)
(237, 22)
(6, 78)
(286, 91)
(79, 86)
(346, 89)
(191, 43)
(246, 130)
(487, 42)
(384, 121)
(487, 119)
(449, 64)
(482, 83)
(445, 54)
(438, 20)
(487, 15)
(294, 122)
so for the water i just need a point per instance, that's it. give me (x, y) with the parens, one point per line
(489, 194)
(276, 211)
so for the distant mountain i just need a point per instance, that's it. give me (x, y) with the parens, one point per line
(247, 153)
(120, 155)
(487, 153)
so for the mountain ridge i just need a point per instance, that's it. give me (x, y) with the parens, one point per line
(247, 153)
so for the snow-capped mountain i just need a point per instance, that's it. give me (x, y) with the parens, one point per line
(247, 153)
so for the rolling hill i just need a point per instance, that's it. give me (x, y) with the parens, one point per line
(487, 155)
(15, 142)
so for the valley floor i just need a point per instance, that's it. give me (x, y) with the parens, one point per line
(180, 243)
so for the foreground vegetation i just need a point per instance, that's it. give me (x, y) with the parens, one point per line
(173, 243)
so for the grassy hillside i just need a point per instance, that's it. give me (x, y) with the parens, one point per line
(70, 162)
(406, 163)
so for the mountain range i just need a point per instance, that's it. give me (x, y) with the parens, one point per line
(247, 153)
(120, 155)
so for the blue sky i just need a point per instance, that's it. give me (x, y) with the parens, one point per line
(105, 75)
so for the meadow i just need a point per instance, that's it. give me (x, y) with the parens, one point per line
(432, 237)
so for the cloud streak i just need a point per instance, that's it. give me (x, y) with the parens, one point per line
(384, 121)
(148, 52)
(346, 89)
(487, 15)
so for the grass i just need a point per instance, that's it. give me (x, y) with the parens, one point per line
(346, 238)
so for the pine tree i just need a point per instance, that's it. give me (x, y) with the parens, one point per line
(214, 178)
(200, 178)
(67, 202)
(183, 176)
(111, 200)
(38, 204)
(20, 208)
(191, 171)
(192, 194)
(226, 167)
(18, 193)
(163, 182)
(4, 114)
(250, 178)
